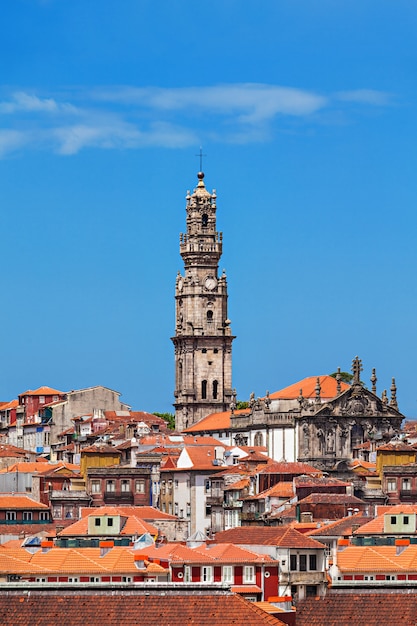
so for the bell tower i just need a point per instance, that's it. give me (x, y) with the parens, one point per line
(203, 337)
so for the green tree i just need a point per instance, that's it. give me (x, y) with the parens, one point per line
(168, 417)
(240, 404)
(344, 376)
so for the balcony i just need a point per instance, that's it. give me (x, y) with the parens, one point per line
(248, 517)
(214, 500)
(122, 497)
(408, 494)
(308, 578)
(233, 504)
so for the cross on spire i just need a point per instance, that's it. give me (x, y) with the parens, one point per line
(201, 155)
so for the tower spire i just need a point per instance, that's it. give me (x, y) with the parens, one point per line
(203, 337)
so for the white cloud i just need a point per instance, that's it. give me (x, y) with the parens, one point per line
(21, 101)
(251, 101)
(130, 117)
(11, 140)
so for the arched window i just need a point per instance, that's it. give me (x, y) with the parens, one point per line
(204, 220)
(209, 317)
(215, 389)
(258, 440)
(203, 389)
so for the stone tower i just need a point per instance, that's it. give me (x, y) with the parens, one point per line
(203, 337)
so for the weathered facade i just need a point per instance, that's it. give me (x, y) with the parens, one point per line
(203, 337)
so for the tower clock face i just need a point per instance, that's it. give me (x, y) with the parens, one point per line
(210, 283)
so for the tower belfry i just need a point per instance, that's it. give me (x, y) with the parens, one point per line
(203, 337)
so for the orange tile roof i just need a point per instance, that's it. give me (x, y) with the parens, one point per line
(377, 559)
(328, 390)
(132, 607)
(202, 457)
(285, 537)
(207, 553)
(20, 501)
(215, 422)
(246, 589)
(239, 484)
(282, 489)
(42, 391)
(284, 467)
(9, 405)
(371, 609)
(341, 527)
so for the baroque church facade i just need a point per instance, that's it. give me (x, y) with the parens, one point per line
(203, 337)
(323, 427)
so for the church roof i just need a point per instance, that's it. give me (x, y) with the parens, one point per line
(328, 388)
(215, 422)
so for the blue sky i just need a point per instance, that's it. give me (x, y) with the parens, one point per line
(307, 114)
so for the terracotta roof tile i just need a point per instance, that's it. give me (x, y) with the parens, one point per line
(285, 537)
(20, 501)
(154, 609)
(215, 422)
(328, 386)
(370, 609)
(42, 391)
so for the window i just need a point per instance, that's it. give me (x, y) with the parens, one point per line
(27, 516)
(406, 519)
(10, 515)
(208, 510)
(73, 579)
(293, 562)
(111, 486)
(303, 562)
(248, 574)
(215, 351)
(215, 389)
(227, 574)
(209, 317)
(127, 579)
(187, 573)
(97, 521)
(203, 389)
(207, 485)
(109, 521)
(204, 350)
(204, 220)
(125, 485)
(41, 399)
(95, 486)
(391, 484)
(176, 484)
(393, 519)
(406, 484)
(140, 486)
(188, 509)
(44, 516)
(57, 512)
(312, 562)
(207, 574)
(176, 508)
(94, 579)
